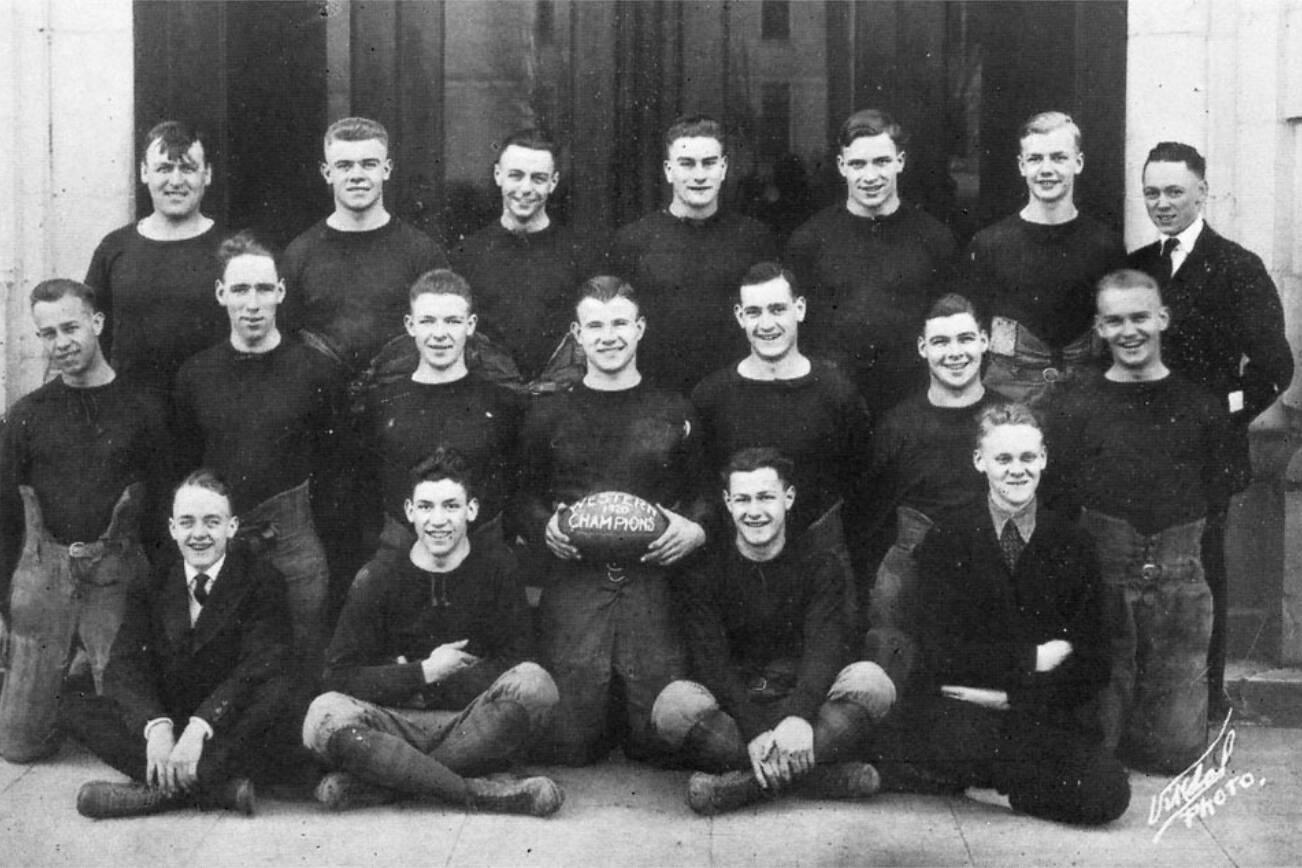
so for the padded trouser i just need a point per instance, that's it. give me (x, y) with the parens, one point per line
(1158, 611)
(600, 624)
(284, 534)
(57, 596)
(468, 741)
(889, 642)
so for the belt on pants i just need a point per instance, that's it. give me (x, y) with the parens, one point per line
(1171, 554)
(1012, 340)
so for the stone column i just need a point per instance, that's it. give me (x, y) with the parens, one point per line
(66, 106)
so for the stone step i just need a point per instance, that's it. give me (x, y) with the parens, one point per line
(1264, 693)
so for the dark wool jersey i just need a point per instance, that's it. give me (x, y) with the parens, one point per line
(351, 288)
(687, 273)
(264, 421)
(644, 441)
(79, 449)
(1153, 453)
(524, 285)
(407, 421)
(1041, 276)
(868, 282)
(407, 612)
(158, 300)
(742, 615)
(819, 421)
(922, 456)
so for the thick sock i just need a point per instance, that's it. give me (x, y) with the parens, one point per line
(839, 730)
(389, 761)
(714, 743)
(849, 780)
(487, 740)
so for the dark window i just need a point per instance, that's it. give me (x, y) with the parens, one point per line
(775, 19)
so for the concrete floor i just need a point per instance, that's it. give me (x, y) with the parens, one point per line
(625, 814)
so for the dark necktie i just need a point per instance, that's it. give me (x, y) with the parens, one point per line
(1010, 541)
(201, 588)
(1164, 263)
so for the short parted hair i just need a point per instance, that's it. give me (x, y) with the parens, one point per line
(950, 304)
(209, 480)
(757, 458)
(175, 139)
(444, 463)
(1046, 122)
(442, 281)
(56, 288)
(696, 126)
(534, 140)
(604, 288)
(1127, 278)
(1005, 413)
(355, 130)
(872, 122)
(244, 243)
(1178, 152)
(763, 272)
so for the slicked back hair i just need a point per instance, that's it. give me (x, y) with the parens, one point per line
(175, 139)
(243, 243)
(950, 304)
(872, 122)
(209, 480)
(445, 463)
(696, 126)
(604, 288)
(763, 272)
(56, 288)
(1047, 122)
(355, 130)
(1178, 152)
(1006, 413)
(443, 281)
(534, 140)
(757, 458)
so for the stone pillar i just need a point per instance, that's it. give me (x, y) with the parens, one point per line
(66, 105)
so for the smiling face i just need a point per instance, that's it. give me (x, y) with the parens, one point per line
(440, 512)
(356, 172)
(953, 347)
(176, 184)
(758, 501)
(1012, 457)
(609, 332)
(526, 178)
(695, 167)
(202, 525)
(69, 331)
(771, 318)
(251, 290)
(1173, 195)
(1050, 163)
(1132, 320)
(441, 323)
(871, 166)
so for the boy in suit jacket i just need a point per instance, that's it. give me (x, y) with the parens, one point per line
(1012, 645)
(205, 646)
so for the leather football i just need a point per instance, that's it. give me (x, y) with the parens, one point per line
(612, 526)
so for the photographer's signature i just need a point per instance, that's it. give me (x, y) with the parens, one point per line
(1199, 790)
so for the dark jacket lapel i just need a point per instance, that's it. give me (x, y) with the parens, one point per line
(228, 590)
(174, 607)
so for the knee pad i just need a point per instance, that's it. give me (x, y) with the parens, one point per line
(678, 708)
(328, 713)
(866, 684)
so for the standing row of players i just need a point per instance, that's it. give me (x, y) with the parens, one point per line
(256, 403)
